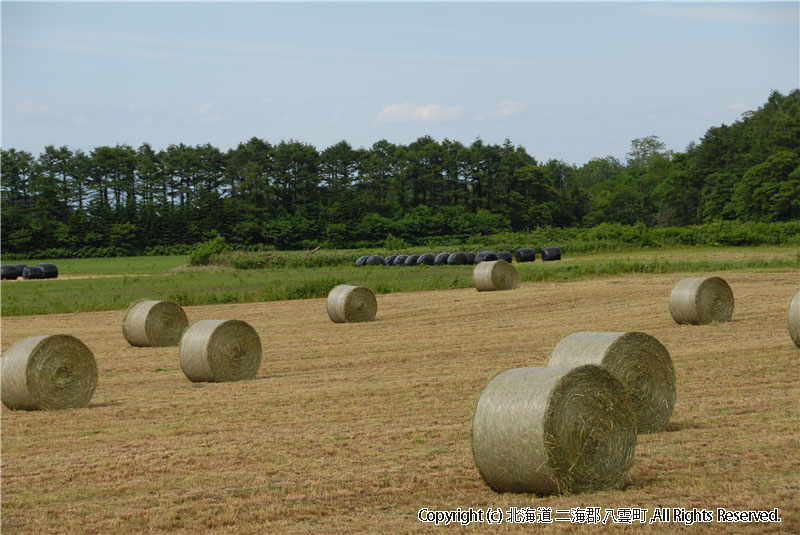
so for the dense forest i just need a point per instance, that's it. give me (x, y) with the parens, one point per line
(290, 195)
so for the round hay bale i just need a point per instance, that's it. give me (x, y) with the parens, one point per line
(149, 323)
(20, 269)
(400, 260)
(8, 272)
(374, 260)
(485, 256)
(505, 255)
(48, 373)
(389, 260)
(551, 430)
(470, 257)
(219, 351)
(638, 360)
(32, 272)
(360, 260)
(551, 253)
(457, 259)
(411, 260)
(347, 304)
(495, 275)
(441, 259)
(701, 300)
(526, 254)
(794, 319)
(50, 271)
(426, 259)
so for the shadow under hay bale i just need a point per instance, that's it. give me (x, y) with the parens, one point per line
(551, 253)
(457, 259)
(389, 260)
(639, 361)
(150, 323)
(360, 260)
(411, 260)
(794, 319)
(399, 260)
(219, 351)
(495, 275)
(701, 300)
(426, 259)
(526, 254)
(554, 430)
(485, 256)
(48, 373)
(504, 255)
(441, 259)
(350, 304)
(50, 271)
(374, 260)
(32, 272)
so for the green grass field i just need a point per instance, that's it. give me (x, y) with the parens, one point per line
(113, 283)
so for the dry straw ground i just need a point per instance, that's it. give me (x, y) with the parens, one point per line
(355, 427)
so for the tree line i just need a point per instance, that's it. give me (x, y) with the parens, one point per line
(291, 195)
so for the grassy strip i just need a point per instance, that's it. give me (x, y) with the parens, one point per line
(128, 265)
(199, 286)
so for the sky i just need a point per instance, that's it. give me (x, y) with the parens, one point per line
(567, 81)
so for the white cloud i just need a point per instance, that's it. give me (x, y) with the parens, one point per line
(206, 112)
(80, 120)
(204, 108)
(737, 106)
(509, 108)
(408, 112)
(28, 107)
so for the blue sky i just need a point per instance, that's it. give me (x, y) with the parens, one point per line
(568, 81)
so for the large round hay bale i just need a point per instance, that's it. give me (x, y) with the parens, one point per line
(48, 372)
(526, 254)
(457, 259)
(701, 300)
(638, 360)
(794, 319)
(504, 255)
(426, 259)
(551, 253)
(219, 351)
(389, 260)
(552, 430)
(441, 259)
(411, 260)
(49, 271)
(484, 256)
(32, 272)
(149, 323)
(495, 275)
(470, 257)
(360, 260)
(400, 260)
(8, 273)
(374, 260)
(348, 304)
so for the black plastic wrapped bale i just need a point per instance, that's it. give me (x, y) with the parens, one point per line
(551, 253)
(50, 271)
(400, 260)
(360, 260)
(8, 273)
(411, 260)
(505, 255)
(389, 260)
(441, 259)
(485, 256)
(470, 257)
(457, 259)
(526, 254)
(20, 269)
(32, 272)
(374, 260)
(426, 259)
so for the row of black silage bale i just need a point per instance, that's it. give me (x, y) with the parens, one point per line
(39, 271)
(459, 258)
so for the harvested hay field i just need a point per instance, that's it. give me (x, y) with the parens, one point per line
(355, 427)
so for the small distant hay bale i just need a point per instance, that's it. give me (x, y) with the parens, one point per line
(20, 269)
(426, 259)
(374, 260)
(411, 260)
(526, 254)
(49, 271)
(349, 304)
(495, 275)
(219, 351)
(150, 323)
(400, 260)
(485, 256)
(389, 260)
(554, 430)
(8, 273)
(48, 373)
(794, 319)
(551, 253)
(457, 259)
(638, 360)
(360, 260)
(441, 259)
(32, 272)
(701, 300)
(470, 257)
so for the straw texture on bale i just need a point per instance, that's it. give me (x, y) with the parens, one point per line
(219, 351)
(495, 275)
(526, 254)
(638, 360)
(457, 259)
(348, 304)
(441, 259)
(701, 300)
(48, 372)
(550, 430)
(794, 319)
(149, 323)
